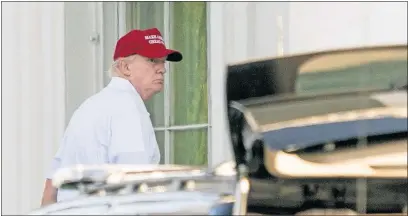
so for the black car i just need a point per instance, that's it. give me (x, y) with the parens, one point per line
(322, 132)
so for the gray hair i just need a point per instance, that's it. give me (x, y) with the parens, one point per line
(113, 69)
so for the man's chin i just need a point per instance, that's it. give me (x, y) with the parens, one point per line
(153, 91)
(158, 88)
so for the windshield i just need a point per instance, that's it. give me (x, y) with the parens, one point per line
(373, 75)
(328, 72)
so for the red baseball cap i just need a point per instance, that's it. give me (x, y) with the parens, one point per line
(148, 43)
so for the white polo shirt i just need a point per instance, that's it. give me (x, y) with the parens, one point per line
(111, 127)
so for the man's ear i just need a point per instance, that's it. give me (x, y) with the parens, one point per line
(124, 67)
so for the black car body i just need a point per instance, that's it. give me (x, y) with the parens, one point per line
(325, 130)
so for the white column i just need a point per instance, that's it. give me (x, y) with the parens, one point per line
(33, 98)
(238, 31)
(219, 149)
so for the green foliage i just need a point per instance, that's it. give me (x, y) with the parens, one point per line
(189, 81)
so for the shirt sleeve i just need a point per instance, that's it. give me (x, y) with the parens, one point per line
(55, 165)
(127, 142)
(56, 162)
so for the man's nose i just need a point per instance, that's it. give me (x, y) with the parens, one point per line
(161, 69)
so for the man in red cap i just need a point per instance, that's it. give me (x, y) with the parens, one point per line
(114, 126)
(139, 57)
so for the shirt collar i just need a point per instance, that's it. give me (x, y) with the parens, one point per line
(124, 85)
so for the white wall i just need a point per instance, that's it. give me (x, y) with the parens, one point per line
(248, 30)
(330, 25)
(83, 51)
(237, 31)
(51, 66)
(33, 99)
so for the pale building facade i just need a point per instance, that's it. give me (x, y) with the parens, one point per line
(56, 54)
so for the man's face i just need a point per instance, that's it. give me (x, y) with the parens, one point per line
(147, 75)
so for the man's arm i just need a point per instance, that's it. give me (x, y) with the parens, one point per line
(49, 194)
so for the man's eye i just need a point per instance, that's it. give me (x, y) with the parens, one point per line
(156, 61)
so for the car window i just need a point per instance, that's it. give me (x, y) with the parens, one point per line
(371, 75)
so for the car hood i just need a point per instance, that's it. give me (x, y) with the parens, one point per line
(120, 172)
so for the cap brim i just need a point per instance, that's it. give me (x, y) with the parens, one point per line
(172, 55)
